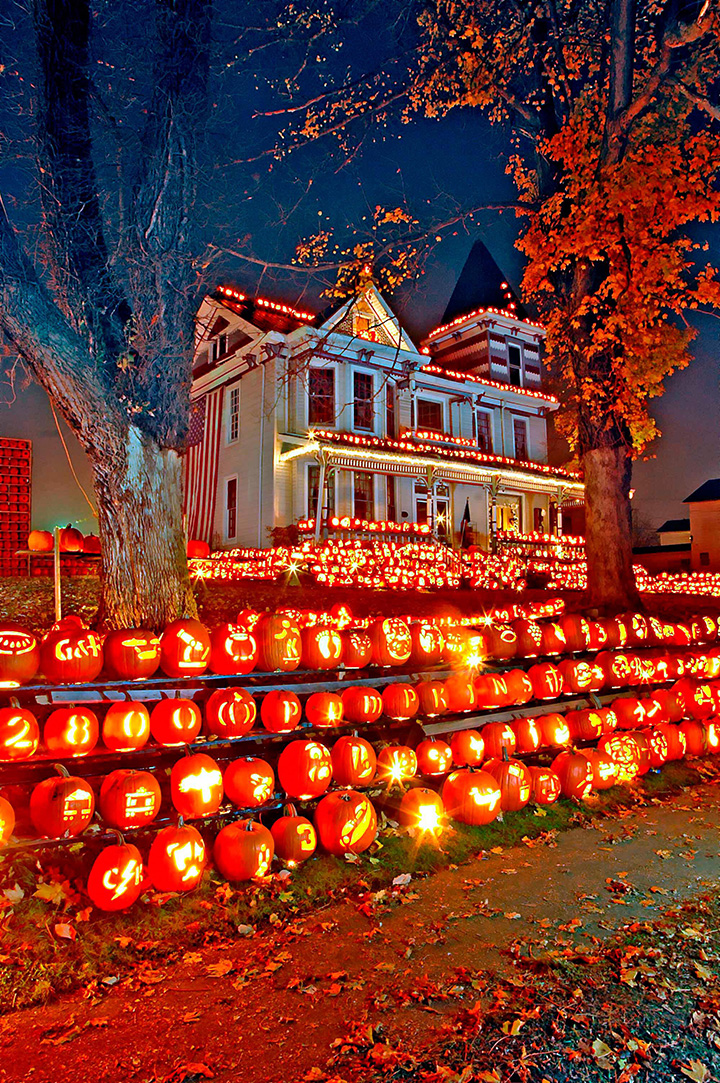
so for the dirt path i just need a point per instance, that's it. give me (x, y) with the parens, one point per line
(268, 1007)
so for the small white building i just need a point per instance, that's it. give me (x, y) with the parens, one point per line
(342, 416)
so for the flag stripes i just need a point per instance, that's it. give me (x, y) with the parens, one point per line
(201, 468)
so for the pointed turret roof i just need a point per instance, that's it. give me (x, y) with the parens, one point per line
(482, 285)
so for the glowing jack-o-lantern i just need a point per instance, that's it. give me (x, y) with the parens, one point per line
(491, 691)
(501, 640)
(279, 643)
(527, 735)
(468, 748)
(432, 698)
(694, 737)
(657, 746)
(126, 726)
(675, 739)
(175, 722)
(19, 733)
(554, 731)
(177, 858)
(464, 648)
(243, 850)
(116, 877)
(71, 731)
(324, 709)
(581, 676)
(433, 757)
(71, 655)
(7, 820)
(426, 644)
(575, 773)
(546, 680)
(61, 806)
(249, 782)
(400, 701)
(396, 763)
(131, 653)
(357, 650)
(361, 704)
(391, 642)
(230, 712)
(622, 748)
(597, 637)
(471, 797)
(294, 836)
(513, 778)
(280, 711)
(129, 798)
(585, 725)
(553, 638)
(346, 822)
(499, 737)
(545, 785)
(304, 769)
(423, 810)
(196, 786)
(575, 630)
(322, 648)
(232, 649)
(184, 648)
(460, 693)
(519, 687)
(19, 655)
(605, 772)
(528, 634)
(353, 761)
(630, 712)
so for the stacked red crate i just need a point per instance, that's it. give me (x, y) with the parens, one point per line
(15, 503)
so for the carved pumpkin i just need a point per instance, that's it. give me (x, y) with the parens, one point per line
(585, 725)
(304, 769)
(61, 806)
(529, 638)
(554, 731)
(126, 726)
(324, 709)
(546, 680)
(71, 540)
(468, 748)
(699, 698)
(19, 655)
(460, 693)
(519, 686)
(322, 648)
(7, 821)
(196, 786)
(346, 822)
(657, 746)
(232, 649)
(19, 733)
(501, 641)
(575, 630)
(249, 782)
(514, 780)
(617, 668)
(279, 643)
(622, 748)
(400, 701)
(361, 704)
(40, 541)
(294, 836)
(553, 638)
(545, 785)
(498, 737)
(280, 711)
(712, 735)
(185, 648)
(357, 650)
(129, 798)
(175, 722)
(391, 642)
(427, 644)
(131, 653)
(230, 712)
(597, 637)
(581, 676)
(575, 773)
(491, 691)
(527, 734)
(675, 739)
(642, 744)
(422, 809)
(353, 761)
(434, 757)
(432, 698)
(604, 769)
(116, 877)
(396, 763)
(71, 655)
(629, 711)
(177, 858)
(71, 731)
(471, 797)
(243, 850)
(694, 738)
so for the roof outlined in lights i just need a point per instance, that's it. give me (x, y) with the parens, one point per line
(482, 312)
(263, 302)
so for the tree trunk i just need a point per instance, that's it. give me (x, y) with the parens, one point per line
(608, 537)
(139, 492)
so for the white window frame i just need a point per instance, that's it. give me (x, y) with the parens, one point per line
(490, 414)
(335, 369)
(373, 400)
(523, 421)
(374, 477)
(518, 345)
(229, 438)
(226, 509)
(429, 396)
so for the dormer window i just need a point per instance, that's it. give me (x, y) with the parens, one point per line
(515, 365)
(218, 347)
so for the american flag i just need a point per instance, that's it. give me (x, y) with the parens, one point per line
(201, 465)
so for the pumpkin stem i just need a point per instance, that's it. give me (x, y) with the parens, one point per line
(249, 824)
(61, 770)
(289, 810)
(180, 821)
(118, 837)
(15, 702)
(506, 758)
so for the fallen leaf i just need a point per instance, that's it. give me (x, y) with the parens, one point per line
(65, 932)
(219, 969)
(696, 1071)
(513, 1028)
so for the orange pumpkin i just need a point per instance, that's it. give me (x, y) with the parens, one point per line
(184, 648)
(514, 780)
(434, 757)
(280, 711)
(529, 638)
(471, 797)
(19, 655)
(353, 761)
(249, 782)
(426, 644)
(243, 850)
(126, 726)
(545, 785)
(230, 712)
(603, 767)
(422, 809)
(491, 692)
(322, 648)
(116, 877)
(304, 769)
(61, 806)
(585, 725)
(294, 836)
(129, 798)
(357, 650)
(7, 821)
(460, 693)
(232, 649)
(391, 642)
(71, 655)
(675, 739)
(71, 540)
(279, 643)
(40, 541)
(131, 653)
(396, 763)
(468, 748)
(553, 638)
(575, 773)
(196, 786)
(576, 631)
(361, 704)
(175, 722)
(346, 822)
(432, 698)
(197, 550)
(71, 731)
(527, 735)
(499, 737)
(519, 686)
(177, 858)
(19, 733)
(324, 709)
(501, 641)
(91, 544)
(579, 675)
(400, 701)
(546, 680)
(554, 731)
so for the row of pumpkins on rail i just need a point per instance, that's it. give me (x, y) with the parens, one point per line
(230, 713)
(345, 819)
(71, 653)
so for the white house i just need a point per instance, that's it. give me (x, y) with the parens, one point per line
(343, 413)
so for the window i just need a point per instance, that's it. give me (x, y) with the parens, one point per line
(328, 508)
(705, 560)
(363, 502)
(321, 397)
(515, 363)
(539, 520)
(233, 415)
(421, 502)
(390, 409)
(521, 440)
(363, 401)
(429, 416)
(218, 347)
(231, 508)
(484, 431)
(391, 499)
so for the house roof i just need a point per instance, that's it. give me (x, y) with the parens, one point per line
(709, 490)
(262, 312)
(674, 525)
(482, 285)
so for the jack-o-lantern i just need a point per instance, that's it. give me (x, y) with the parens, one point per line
(249, 782)
(353, 761)
(279, 643)
(357, 649)
(391, 642)
(514, 780)
(501, 641)
(400, 701)
(184, 648)
(468, 748)
(575, 773)
(460, 693)
(642, 744)
(674, 738)
(622, 748)
(196, 786)
(71, 655)
(280, 711)
(422, 809)
(126, 726)
(616, 631)
(700, 699)
(294, 836)
(433, 757)
(304, 769)
(177, 858)
(322, 648)
(232, 649)
(672, 703)
(71, 731)
(545, 785)
(230, 712)
(576, 631)
(61, 806)
(499, 737)
(248, 618)
(243, 850)
(712, 735)
(491, 691)
(175, 722)
(617, 667)
(131, 653)
(553, 638)
(585, 725)
(129, 798)
(7, 821)
(657, 746)
(432, 698)
(554, 731)
(604, 769)
(519, 686)
(40, 541)
(324, 709)
(694, 737)
(527, 734)
(19, 733)
(471, 797)
(19, 655)
(116, 877)
(597, 637)
(546, 680)
(361, 704)
(581, 676)
(346, 822)
(396, 763)
(427, 644)
(629, 711)
(529, 638)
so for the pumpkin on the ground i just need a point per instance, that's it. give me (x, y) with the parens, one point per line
(116, 877)
(471, 797)
(396, 763)
(243, 850)
(294, 836)
(514, 780)
(434, 757)
(177, 858)
(545, 785)
(422, 809)
(575, 773)
(346, 822)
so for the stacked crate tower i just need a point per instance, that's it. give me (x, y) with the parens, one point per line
(15, 492)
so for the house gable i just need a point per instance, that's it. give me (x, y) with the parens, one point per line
(369, 317)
